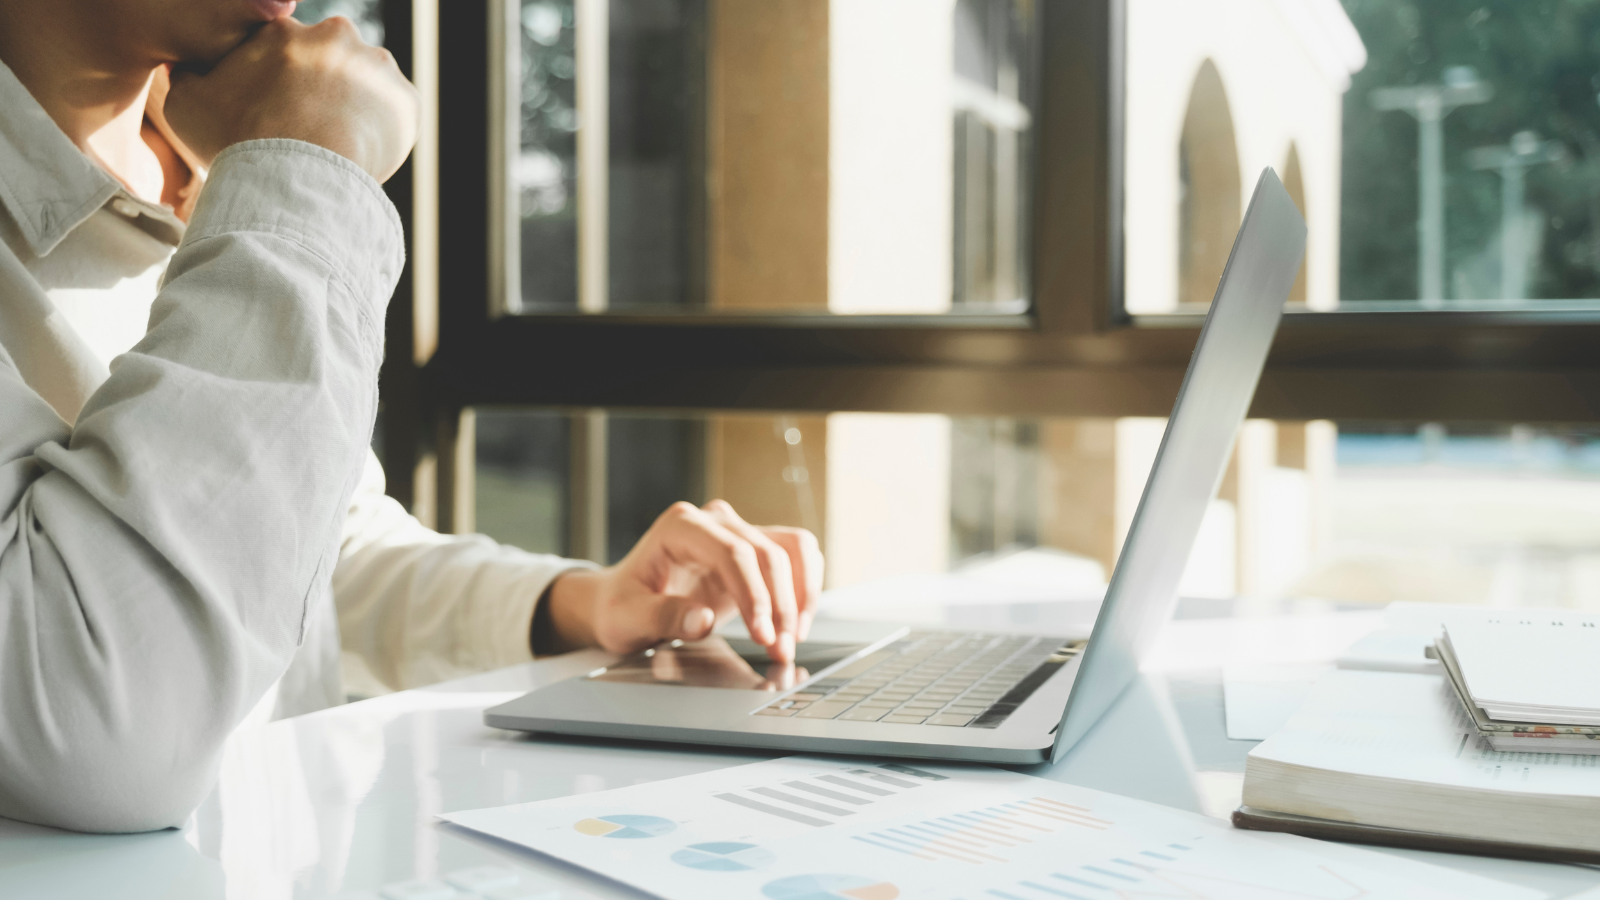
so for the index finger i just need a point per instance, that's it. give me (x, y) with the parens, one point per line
(805, 562)
(693, 536)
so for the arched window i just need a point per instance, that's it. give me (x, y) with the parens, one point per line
(1208, 188)
(1294, 183)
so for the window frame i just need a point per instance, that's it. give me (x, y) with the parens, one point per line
(1074, 353)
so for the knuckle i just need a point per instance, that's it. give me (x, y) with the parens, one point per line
(742, 552)
(776, 558)
(680, 510)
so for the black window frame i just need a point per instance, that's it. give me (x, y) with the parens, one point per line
(1075, 353)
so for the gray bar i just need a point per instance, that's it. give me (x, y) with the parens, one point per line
(886, 779)
(915, 773)
(773, 810)
(824, 792)
(801, 801)
(855, 785)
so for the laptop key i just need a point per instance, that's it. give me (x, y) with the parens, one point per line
(864, 714)
(949, 719)
(775, 711)
(824, 710)
(900, 719)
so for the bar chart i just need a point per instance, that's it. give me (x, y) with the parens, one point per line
(829, 797)
(808, 828)
(979, 836)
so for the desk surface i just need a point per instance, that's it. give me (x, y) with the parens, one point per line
(341, 803)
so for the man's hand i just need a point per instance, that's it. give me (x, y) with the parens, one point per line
(694, 568)
(314, 83)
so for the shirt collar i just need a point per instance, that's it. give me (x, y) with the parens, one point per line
(46, 183)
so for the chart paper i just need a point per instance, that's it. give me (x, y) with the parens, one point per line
(806, 828)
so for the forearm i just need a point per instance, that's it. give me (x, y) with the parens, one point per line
(157, 558)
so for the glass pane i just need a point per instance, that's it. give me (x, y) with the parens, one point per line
(1310, 516)
(889, 496)
(798, 157)
(545, 173)
(1446, 154)
(1501, 515)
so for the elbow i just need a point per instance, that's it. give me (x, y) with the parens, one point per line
(109, 789)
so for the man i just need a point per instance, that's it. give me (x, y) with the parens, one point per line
(191, 527)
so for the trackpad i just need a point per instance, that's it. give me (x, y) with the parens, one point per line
(722, 662)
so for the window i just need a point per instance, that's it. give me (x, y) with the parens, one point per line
(1096, 158)
(1446, 154)
(802, 157)
(1310, 516)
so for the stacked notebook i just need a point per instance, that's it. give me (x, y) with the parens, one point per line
(1528, 683)
(1393, 758)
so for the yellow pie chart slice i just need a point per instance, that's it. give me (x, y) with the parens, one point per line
(597, 827)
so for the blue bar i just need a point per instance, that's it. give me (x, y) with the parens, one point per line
(1158, 855)
(883, 846)
(884, 837)
(1079, 881)
(1109, 873)
(1053, 891)
(1133, 865)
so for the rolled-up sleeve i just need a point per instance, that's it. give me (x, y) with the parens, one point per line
(158, 557)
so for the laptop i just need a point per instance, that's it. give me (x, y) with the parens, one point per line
(885, 690)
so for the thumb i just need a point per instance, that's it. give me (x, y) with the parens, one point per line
(684, 618)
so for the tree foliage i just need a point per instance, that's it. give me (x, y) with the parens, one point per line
(1542, 58)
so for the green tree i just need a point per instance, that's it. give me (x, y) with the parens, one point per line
(1543, 59)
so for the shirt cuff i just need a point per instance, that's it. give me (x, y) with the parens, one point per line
(513, 643)
(316, 198)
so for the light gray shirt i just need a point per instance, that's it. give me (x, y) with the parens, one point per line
(192, 530)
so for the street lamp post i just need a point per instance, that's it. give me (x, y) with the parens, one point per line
(1430, 103)
(1513, 161)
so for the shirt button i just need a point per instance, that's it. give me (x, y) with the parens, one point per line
(126, 207)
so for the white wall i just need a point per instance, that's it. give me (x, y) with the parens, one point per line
(1281, 88)
(888, 496)
(889, 187)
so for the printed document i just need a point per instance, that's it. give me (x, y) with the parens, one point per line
(806, 828)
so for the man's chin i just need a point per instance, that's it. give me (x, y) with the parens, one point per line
(202, 55)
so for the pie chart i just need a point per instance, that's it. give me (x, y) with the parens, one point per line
(829, 887)
(723, 856)
(625, 826)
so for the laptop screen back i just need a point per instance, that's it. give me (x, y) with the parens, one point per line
(1212, 401)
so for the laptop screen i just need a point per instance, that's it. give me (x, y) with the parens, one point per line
(1212, 402)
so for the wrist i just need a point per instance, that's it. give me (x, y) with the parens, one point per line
(570, 604)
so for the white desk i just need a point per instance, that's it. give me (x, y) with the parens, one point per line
(341, 803)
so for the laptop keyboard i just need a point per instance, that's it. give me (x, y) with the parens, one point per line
(933, 678)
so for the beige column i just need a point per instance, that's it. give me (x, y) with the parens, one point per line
(771, 468)
(767, 241)
(767, 154)
(1078, 488)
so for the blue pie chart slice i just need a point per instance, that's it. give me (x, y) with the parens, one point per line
(829, 887)
(723, 856)
(627, 827)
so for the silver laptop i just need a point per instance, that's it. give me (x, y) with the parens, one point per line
(1002, 698)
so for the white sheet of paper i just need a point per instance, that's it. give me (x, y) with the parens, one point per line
(1392, 650)
(1412, 728)
(1259, 700)
(1540, 660)
(806, 828)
